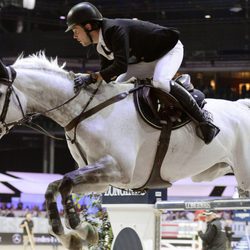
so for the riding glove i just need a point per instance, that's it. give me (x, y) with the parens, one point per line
(83, 80)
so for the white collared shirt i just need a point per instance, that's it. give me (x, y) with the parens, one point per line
(102, 48)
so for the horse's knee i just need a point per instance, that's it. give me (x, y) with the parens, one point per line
(52, 191)
(66, 186)
(49, 195)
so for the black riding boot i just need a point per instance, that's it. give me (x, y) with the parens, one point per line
(206, 130)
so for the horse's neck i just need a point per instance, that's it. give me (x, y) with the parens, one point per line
(45, 91)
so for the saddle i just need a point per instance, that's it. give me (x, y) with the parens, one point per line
(164, 112)
(155, 106)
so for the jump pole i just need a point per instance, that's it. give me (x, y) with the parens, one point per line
(218, 204)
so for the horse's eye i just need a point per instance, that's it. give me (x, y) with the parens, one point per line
(1, 94)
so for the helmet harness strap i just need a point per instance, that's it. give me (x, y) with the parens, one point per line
(89, 30)
(88, 34)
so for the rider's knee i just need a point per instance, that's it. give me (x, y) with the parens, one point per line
(164, 85)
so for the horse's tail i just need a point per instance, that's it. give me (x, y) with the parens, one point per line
(245, 102)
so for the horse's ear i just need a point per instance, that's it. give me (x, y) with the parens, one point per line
(3, 70)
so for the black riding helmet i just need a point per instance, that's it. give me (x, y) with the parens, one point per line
(83, 13)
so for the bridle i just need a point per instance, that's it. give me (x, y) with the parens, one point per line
(10, 89)
(26, 118)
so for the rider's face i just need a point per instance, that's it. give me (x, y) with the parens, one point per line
(80, 35)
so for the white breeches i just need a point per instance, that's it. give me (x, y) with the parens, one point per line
(162, 70)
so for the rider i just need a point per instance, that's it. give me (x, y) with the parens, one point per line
(130, 47)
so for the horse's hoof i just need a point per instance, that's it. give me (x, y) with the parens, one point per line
(93, 236)
(77, 243)
(88, 233)
(65, 187)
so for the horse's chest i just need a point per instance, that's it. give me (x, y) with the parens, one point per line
(91, 135)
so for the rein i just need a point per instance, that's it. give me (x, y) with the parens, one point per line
(84, 115)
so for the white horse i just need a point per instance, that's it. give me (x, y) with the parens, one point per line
(119, 146)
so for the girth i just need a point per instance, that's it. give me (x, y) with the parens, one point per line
(161, 111)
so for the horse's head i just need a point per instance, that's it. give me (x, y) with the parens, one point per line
(10, 100)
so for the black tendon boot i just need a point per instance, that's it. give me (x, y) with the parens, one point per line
(206, 130)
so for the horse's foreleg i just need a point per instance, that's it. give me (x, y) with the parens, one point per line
(85, 180)
(51, 206)
(70, 240)
(72, 220)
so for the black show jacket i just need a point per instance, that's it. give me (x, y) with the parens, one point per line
(128, 38)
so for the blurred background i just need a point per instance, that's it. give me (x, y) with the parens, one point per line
(215, 34)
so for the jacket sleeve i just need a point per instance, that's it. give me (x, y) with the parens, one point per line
(119, 42)
(209, 235)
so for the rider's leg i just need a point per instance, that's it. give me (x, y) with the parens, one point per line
(167, 67)
(206, 129)
(165, 70)
(141, 70)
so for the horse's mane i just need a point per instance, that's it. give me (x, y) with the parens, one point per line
(39, 61)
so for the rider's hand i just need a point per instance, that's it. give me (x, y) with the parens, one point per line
(83, 80)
